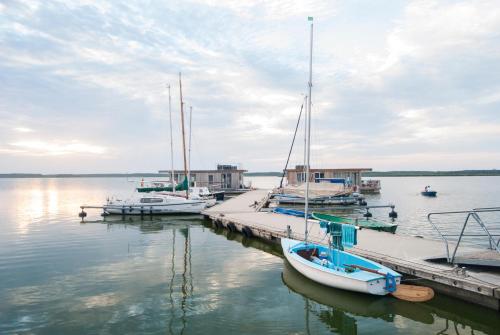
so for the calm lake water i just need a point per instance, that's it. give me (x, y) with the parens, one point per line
(176, 275)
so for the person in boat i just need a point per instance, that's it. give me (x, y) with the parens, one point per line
(426, 189)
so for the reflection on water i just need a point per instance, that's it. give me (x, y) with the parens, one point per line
(341, 310)
(174, 275)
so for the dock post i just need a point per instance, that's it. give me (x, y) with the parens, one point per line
(288, 231)
(142, 212)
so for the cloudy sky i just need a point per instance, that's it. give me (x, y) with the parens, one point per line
(398, 85)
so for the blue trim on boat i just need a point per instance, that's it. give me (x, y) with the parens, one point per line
(292, 212)
(345, 258)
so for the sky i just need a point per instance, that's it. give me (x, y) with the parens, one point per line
(397, 85)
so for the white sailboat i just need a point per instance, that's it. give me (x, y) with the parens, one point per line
(154, 203)
(331, 265)
(161, 202)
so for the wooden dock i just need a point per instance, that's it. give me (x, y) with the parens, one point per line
(405, 254)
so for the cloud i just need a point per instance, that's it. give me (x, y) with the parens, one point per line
(416, 77)
(55, 148)
(23, 130)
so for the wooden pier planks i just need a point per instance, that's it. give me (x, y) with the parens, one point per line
(405, 254)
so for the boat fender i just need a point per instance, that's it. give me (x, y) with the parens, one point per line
(247, 232)
(368, 214)
(390, 283)
(393, 214)
(231, 227)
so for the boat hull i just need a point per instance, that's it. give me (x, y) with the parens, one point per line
(192, 207)
(429, 193)
(294, 200)
(376, 285)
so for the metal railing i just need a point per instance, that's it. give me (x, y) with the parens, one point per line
(494, 244)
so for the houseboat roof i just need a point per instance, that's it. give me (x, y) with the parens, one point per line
(204, 171)
(301, 168)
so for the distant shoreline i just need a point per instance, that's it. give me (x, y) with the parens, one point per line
(90, 175)
(461, 173)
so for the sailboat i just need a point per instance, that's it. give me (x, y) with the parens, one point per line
(331, 265)
(161, 202)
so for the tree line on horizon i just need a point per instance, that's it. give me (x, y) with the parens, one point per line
(493, 172)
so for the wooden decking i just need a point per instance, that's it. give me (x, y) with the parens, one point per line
(405, 254)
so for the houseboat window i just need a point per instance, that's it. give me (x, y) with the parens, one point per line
(151, 200)
(210, 178)
(318, 175)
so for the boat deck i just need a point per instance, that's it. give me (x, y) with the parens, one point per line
(408, 255)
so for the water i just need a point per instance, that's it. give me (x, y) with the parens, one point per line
(454, 194)
(177, 275)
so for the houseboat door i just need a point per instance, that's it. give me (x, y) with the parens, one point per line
(226, 180)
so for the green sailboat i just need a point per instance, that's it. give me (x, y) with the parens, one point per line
(363, 223)
(156, 186)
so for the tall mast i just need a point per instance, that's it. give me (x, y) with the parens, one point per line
(306, 209)
(305, 140)
(171, 141)
(189, 150)
(183, 135)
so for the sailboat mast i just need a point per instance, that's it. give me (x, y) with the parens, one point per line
(183, 135)
(189, 150)
(306, 209)
(305, 140)
(171, 141)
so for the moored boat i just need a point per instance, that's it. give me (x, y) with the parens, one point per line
(340, 200)
(154, 203)
(370, 186)
(160, 186)
(332, 266)
(339, 269)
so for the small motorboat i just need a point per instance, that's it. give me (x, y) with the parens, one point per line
(428, 192)
(363, 223)
(202, 193)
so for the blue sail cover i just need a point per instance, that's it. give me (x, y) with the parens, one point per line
(293, 212)
(349, 235)
(343, 235)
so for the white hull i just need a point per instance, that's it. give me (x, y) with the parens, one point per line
(155, 203)
(331, 277)
(316, 201)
